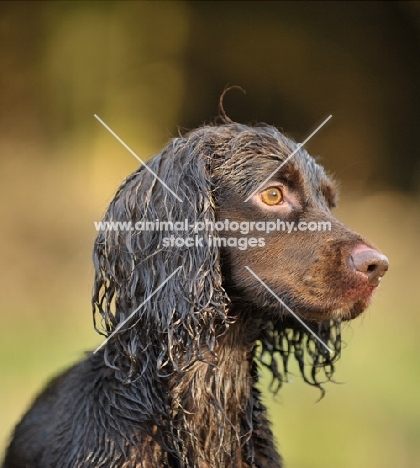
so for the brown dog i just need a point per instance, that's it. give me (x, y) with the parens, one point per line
(241, 260)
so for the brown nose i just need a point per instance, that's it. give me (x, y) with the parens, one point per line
(370, 262)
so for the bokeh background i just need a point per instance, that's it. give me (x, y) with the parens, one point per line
(151, 69)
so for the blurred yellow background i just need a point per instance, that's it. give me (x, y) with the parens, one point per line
(149, 69)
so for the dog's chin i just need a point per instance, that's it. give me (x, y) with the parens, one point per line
(344, 308)
(359, 302)
(344, 311)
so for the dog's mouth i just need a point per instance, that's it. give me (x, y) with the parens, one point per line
(347, 297)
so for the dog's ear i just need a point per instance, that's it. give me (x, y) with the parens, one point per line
(286, 339)
(144, 266)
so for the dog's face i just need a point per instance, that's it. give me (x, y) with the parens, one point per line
(228, 173)
(319, 267)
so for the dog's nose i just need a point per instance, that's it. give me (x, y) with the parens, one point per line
(370, 262)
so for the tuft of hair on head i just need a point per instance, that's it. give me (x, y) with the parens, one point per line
(222, 113)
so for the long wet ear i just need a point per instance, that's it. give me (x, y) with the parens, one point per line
(285, 340)
(144, 270)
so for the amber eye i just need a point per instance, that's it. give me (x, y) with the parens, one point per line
(272, 196)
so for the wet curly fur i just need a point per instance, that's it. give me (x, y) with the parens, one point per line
(176, 385)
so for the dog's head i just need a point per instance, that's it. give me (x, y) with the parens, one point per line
(319, 267)
(239, 232)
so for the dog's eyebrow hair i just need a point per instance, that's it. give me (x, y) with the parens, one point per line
(137, 157)
(299, 146)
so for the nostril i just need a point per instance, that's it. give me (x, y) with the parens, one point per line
(370, 262)
(371, 268)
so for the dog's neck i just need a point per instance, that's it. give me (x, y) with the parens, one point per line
(213, 400)
(210, 405)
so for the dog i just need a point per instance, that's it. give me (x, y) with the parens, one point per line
(243, 280)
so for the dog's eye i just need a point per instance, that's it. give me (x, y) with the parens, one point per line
(272, 196)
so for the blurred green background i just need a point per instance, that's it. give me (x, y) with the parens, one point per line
(149, 69)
